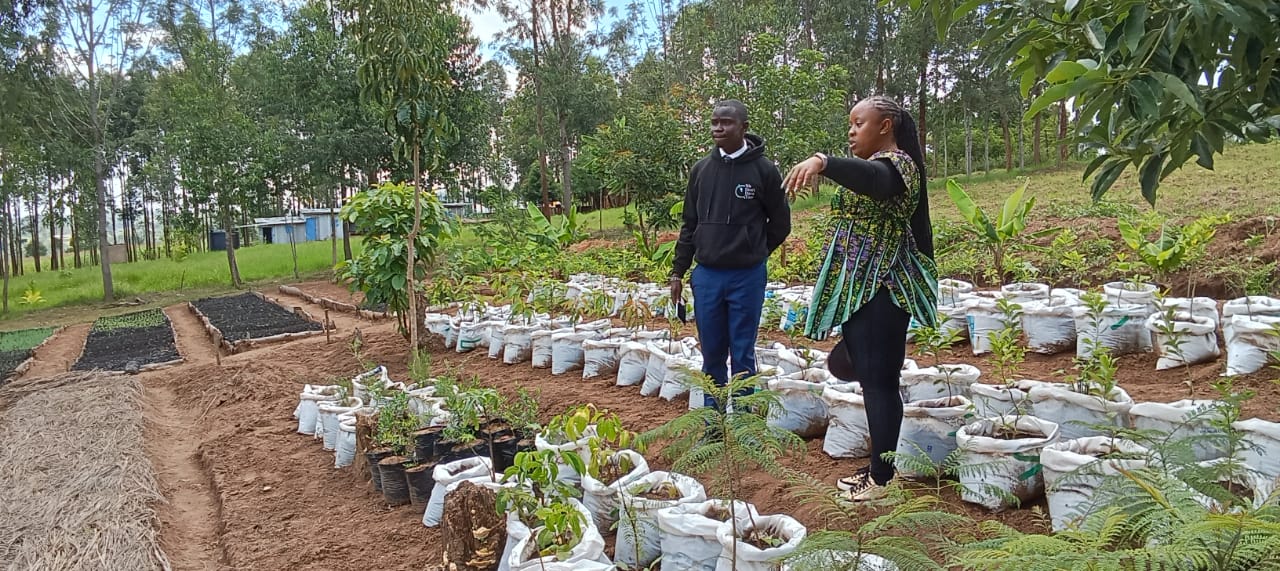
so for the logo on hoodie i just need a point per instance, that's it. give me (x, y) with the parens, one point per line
(745, 191)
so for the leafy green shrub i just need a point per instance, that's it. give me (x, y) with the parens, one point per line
(137, 319)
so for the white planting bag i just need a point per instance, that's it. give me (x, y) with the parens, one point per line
(587, 555)
(1125, 293)
(953, 292)
(440, 326)
(600, 357)
(1121, 328)
(1050, 324)
(937, 382)
(1074, 471)
(446, 475)
(1261, 440)
(790, 363)
(954, 325)
(999, 400)
(601, 499)
(517, 343)
(633, 361)
(688, 533)
(1076, 413)
(802, 409)
(1197, 306)
(655, 370)
(566, 351)
(1023, 293)
(473, 334)
(497, 340)
(989, 464)
(376, 376)
(328, 412)
(638, 533)
(308, 410)
(1183, 420)
(675, 378)
(848, 435)
(1248, 306)
(752, 558)
(1249, 343)
(983, 319)
(929, 428)
(566, 472)
(1194, 340)
(345, 451)
(541, 354)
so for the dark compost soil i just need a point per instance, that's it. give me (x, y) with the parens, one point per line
(247, 316)
(128, 348)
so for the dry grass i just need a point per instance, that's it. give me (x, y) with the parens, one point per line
(78, 490)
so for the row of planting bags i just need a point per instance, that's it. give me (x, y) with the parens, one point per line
(325, 412)
(943, 402)
(650, 359)
(1055, 320)
(683, 531)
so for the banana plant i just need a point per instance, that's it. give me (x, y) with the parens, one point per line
(1006, 233)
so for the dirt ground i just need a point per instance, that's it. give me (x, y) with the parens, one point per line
(244, 491)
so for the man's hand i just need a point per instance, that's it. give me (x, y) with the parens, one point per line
(677, 291)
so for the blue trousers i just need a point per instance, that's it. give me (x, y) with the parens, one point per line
(727, 305)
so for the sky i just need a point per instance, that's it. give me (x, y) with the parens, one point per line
(488, 26)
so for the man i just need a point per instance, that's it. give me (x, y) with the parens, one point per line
(735, 215)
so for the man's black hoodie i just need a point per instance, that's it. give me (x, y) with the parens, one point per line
(735, 212)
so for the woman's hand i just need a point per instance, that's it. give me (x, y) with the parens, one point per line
(804, 175)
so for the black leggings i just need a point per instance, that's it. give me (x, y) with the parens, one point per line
(876, 339)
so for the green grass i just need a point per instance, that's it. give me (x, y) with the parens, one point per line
(1243, 183)
(23, 339)
(202, 270)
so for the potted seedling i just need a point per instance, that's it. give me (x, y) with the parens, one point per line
(725, 441)
(393, 448)
(939, 380)
(467, 410)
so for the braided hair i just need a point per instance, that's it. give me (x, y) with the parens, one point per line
(908, 139)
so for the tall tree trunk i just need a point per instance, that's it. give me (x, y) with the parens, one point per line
(15, 237)
(924, 99)
(1022, 136)
(410, 281)
(231, 247)
(164, 227)
(1008, 142)
(333, 227)
(75, 241)
(945, 158)
(1036, 129)
(1062, 133)
(986, 142)
(100, 184)
(968, 144)
(52, 217)
(566, 165)
(4, 261)
(537, 96)
(35, 228)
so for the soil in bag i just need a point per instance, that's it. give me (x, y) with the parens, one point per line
(495, 428)
(425, 444)
(374, 457)
(421, 483)
(504, 452)
(395, 486)
(461, 451)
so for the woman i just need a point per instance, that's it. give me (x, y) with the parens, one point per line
(878, 270)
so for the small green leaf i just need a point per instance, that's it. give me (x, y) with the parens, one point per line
(1178, 88)
(1149, 177)
(1065, 71)
(1134, 27)
(1094, 32)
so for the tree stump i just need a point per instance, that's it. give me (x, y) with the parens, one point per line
(365, 425)
(474, 532)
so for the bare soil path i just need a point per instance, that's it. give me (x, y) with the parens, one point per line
(60, 353)
(190, 518)
(194, 343)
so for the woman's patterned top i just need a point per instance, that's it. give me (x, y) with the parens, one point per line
(871, 245)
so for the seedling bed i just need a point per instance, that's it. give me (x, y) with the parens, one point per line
(136, 341)
(240, 322)
(17, 348)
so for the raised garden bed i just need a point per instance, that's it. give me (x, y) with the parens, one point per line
(241, 322)
(365, 309)
(131, 342)
(17, 348)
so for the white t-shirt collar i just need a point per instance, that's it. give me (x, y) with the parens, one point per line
(737, 153)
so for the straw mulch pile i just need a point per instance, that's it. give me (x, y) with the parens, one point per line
(76, 487)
